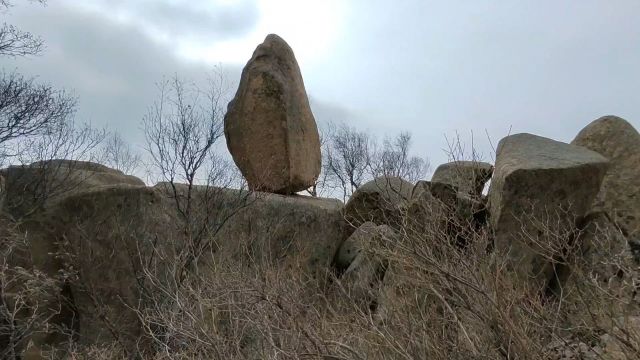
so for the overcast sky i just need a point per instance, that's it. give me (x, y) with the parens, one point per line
(433, 68)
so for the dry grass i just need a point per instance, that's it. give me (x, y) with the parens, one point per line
(438, 299)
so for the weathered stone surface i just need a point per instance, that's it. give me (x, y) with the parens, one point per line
(540, 187)
(364, 252)
(604, 273)
(442, 191)
(102, 236)
(93, 239)
(29, 187)
(427, 213)
(437, 210)
(468, 176)
(617, 140)
(293, 231)
(381, 201)
(270, 130)
(354, 244)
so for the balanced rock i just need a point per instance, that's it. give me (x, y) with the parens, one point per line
(270, 130)
(617, 140)
(540, 188)
(381, 201)
(468, 176)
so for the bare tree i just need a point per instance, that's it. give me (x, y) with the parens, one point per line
(394, 159)
(181, 129)
(45, 166)
(15, 42)
(28, 109)
(352, 157)
(118, 154)
(346, 158)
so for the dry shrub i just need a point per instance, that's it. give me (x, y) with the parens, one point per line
(31, 301)
(439, 299)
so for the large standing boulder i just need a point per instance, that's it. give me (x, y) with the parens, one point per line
(540, 188)
(619, 196)
(381, 201)
(468, 176)
(270, 130)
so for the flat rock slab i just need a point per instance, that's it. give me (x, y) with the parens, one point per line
(540, 188)
(269, 127)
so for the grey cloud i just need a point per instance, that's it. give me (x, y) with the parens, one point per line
(112, 68)
(432, 68)
(200, 20)
(325, 112)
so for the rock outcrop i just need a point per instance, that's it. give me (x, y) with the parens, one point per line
(100, 241)
(381, 201)
(289, 231)
(469, 177)
(270, 130)
(618, 141)
(540, 188)
(29, 187)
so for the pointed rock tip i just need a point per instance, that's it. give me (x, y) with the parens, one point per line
(612, 119)
(274, 38)
(273, 44)
(609, 124)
